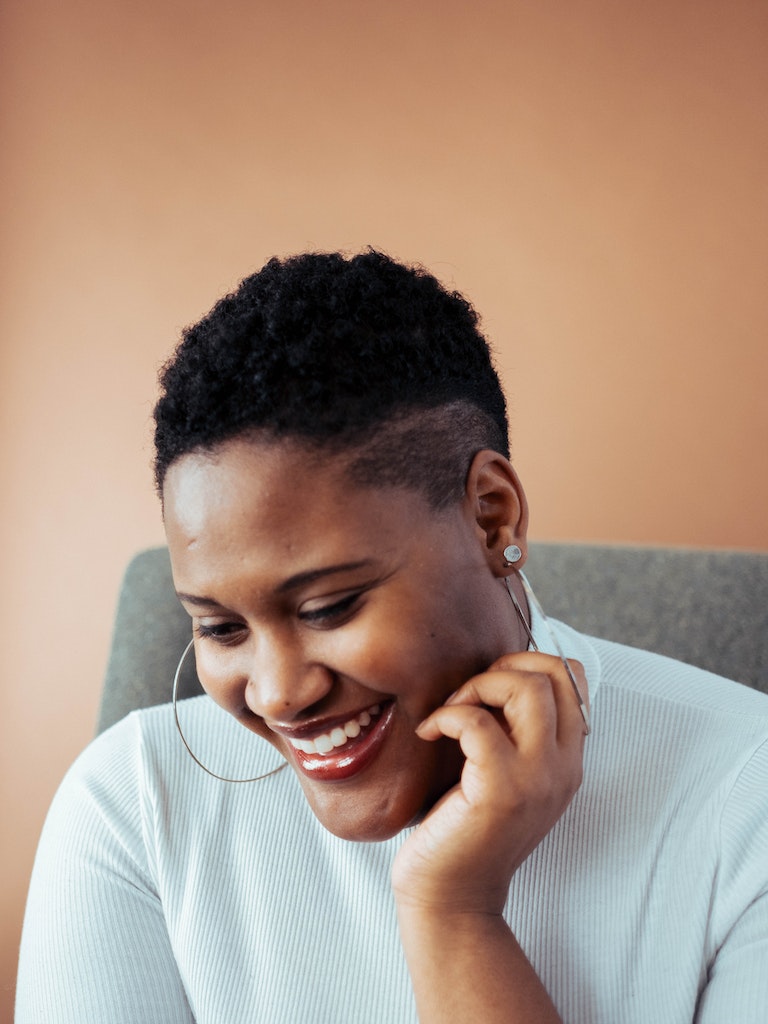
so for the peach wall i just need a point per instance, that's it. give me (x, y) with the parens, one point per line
(590, 173)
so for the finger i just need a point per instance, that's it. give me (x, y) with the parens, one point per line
(571, 692)
(535, 661)
(497, 687)
(521, 704)
(547, 723)
(522, 700)
(560, 668)
(482, 740)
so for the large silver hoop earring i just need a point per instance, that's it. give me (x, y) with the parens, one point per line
(195, 758)
(526, 626)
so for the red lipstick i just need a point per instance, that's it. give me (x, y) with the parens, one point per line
(344, 750)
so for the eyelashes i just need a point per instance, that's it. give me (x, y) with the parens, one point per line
(222, 633)
(331, 614)
(326, 616)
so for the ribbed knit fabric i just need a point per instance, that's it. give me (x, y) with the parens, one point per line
(162, 895)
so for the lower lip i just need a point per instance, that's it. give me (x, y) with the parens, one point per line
(350, 759)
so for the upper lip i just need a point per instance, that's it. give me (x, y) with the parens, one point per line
(323, 725)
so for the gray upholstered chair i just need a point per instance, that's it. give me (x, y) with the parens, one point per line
(709, 608)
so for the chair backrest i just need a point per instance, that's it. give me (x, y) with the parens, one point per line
(709, 608)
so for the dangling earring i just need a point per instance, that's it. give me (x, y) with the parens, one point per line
(533, 600)
(221, 778)
(512, 554)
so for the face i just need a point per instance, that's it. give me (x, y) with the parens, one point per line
(332, 620)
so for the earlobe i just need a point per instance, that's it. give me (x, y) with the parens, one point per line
(500, 510)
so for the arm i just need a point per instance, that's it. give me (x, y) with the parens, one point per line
(522, 733)
(471, 968)
(737, 979)
(95, 946)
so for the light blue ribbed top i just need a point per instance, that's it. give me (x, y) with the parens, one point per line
(160, 894)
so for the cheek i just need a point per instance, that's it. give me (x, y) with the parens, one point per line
(406, 659)
(225, 683)
(222, 677)
(374, 647)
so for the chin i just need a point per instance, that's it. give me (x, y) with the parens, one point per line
(375, 813)
(359, 822)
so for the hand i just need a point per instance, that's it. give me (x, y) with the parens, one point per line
(522, 734)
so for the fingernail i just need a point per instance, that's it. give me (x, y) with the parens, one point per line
(422, 726)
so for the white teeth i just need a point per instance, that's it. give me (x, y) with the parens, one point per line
(339, 735)
(323, 744)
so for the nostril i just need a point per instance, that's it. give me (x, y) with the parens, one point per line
(288, 692)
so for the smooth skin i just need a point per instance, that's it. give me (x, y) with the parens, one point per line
(311, 601)
(520, 773)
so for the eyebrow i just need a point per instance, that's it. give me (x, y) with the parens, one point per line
(300, 579)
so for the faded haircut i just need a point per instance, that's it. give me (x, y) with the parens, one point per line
(362, 356)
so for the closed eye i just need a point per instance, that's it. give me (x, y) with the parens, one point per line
(330, 615)
(220, 632)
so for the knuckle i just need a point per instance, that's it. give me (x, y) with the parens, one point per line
(578, 670)
(506, 663)
(480, 718)
(539, 681)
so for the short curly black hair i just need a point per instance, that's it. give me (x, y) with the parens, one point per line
(359, 355)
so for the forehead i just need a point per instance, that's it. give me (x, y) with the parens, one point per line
(277, 500)
(203, 483)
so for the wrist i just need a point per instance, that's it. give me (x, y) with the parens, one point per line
(449, 902)
(442, 925)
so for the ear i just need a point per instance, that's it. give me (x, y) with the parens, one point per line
(496, 501)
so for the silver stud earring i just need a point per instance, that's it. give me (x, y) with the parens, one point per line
(512, 554)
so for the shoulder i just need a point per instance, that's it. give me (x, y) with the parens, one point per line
(667, 725)
(113, 766)
(135, 802)
(143, 757)
(644, 687)
(98, 809)
(680, 688)
(684, 735)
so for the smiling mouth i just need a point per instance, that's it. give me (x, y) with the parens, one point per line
(346, 749)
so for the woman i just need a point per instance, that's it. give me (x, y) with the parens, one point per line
(347, 534)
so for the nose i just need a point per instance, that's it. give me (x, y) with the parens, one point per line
(283, 683)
